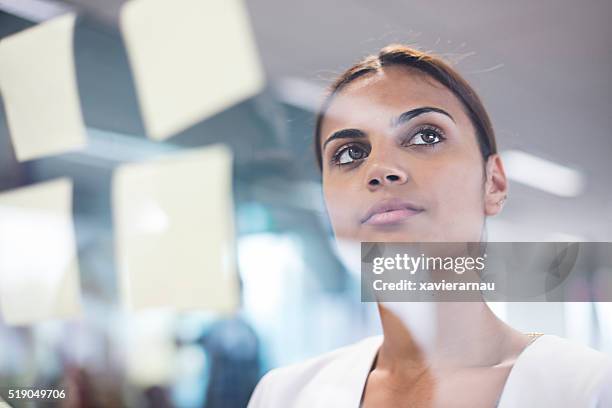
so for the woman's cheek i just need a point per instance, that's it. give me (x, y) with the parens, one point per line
(449, 184)
(460, 196)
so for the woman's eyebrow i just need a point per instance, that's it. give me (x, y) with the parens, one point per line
(411, 114)
(345, 134)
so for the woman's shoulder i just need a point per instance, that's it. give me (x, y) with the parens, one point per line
(568, 356)
(554, 369)
(337, 371)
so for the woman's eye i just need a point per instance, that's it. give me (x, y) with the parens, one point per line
(426, 136)
(350, 154)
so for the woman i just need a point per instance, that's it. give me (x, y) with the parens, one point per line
(407, 153)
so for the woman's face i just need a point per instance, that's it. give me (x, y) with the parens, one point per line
(401, 162)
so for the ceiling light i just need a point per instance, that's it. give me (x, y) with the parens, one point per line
(543, 174)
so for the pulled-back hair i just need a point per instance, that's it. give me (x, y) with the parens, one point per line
(434, 67)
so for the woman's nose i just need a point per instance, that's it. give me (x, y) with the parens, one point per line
(382, 174)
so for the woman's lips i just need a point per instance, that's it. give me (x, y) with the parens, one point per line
(390, 212)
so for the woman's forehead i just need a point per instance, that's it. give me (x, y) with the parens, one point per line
(375, 99)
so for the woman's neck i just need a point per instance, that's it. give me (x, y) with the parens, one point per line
(445, 335)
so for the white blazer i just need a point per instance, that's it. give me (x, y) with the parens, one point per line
(550, 372)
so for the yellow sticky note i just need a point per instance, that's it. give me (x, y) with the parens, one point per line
(174, 231)
(39, 275)
(38, 84)
(150, 348)
(190, 60)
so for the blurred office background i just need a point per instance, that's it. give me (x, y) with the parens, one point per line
(543, 71)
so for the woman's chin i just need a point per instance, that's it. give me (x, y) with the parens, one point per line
(392, 234)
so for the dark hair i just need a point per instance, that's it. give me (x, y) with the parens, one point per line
(436, 68)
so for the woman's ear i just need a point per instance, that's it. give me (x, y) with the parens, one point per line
(496, 185)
